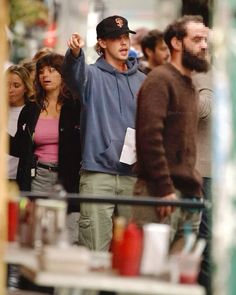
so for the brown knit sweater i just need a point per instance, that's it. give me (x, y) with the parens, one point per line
(167, 118)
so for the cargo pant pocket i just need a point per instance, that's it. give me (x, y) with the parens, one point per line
(86, 232)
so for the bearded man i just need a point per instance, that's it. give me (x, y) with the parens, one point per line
(166, 128)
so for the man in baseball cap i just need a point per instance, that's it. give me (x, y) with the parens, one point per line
(107, 90)
(112, 27)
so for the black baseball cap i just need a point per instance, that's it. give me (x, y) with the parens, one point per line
(112, 27)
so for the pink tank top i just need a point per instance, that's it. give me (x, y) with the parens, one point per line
(46, 139)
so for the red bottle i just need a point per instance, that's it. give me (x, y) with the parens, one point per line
(13, 212)
(131, 251)
(12, 220)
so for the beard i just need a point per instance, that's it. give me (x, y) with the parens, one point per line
(193, 62)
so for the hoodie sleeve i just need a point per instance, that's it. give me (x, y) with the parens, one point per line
(153, 100)
(75, 73)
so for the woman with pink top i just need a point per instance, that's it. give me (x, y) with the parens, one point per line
(47, 140)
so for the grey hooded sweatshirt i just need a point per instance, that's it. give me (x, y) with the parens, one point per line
(108, 108)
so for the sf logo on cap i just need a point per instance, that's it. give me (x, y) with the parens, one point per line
(119, 22)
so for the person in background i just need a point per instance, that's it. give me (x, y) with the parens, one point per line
(204, 85)
(167, 119)
(20, 91)
(107, 91)
(47, 140)
(31, 67)
(135, 47)
(155, 51)
(41, 52)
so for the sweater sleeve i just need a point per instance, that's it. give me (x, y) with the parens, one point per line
(75, 73)
(17, 142)
(205, 104)
(204, 87)
(153, 100)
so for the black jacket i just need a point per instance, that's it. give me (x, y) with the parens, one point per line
(69, 152)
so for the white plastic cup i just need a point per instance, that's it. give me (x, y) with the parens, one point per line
(155, 248)
(189, 266)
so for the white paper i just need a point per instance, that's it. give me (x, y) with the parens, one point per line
(128, 154)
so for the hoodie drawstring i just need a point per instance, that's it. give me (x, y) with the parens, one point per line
(129, 86)
(118, 90)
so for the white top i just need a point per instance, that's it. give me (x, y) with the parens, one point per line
(14, 113)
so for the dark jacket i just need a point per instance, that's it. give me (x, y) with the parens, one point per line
(69, 153)
(166, 130)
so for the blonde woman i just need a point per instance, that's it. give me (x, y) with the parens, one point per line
(20, 91)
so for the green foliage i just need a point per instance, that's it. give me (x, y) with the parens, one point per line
(30, 12)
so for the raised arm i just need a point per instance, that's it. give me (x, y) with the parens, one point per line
(74, 69)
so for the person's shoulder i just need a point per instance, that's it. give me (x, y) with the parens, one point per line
(158, 77)
(71, 104)
(170, 74)
(26, 112)
(143, 67)
(164, 69)
(32, 104)
(203, 80)
(159, 73)
(30, 109)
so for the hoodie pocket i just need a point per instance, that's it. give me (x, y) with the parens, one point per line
(110, 157)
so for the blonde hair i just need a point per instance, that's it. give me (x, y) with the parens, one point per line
(29, 65)
(41, 52)
(24, 75)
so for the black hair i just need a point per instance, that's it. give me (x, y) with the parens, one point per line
(151, 40)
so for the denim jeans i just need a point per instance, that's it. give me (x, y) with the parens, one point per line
(205, 232)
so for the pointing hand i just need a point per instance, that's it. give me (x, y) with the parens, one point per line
(75, 43)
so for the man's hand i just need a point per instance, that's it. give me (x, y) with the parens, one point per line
(164, 211)
(75, 43)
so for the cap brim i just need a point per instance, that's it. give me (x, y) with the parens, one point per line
(116, 34)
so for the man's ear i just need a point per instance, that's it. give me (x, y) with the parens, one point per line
(148, 51)
(102, 43)
(176, 44)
